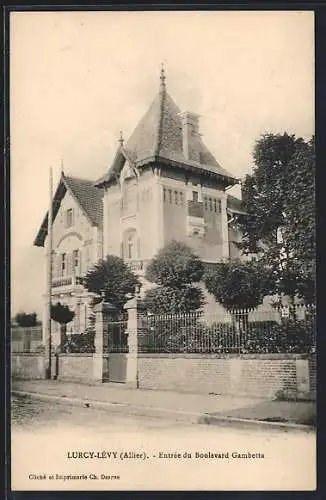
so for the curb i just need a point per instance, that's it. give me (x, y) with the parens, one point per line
(174, 415)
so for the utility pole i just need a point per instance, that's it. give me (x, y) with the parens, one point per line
(48, 336)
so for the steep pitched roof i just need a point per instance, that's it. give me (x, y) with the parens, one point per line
(88, 197)
(158, 135)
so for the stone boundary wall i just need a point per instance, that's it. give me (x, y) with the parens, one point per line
(75, 367)
(271, 376)
(27, 366)
(283, 376)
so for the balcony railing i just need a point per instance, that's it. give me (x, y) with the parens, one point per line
(137, 265)
(67, 281)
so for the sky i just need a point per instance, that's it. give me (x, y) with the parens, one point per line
(78, 78)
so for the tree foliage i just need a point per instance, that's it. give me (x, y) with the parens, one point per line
(60, 313)
(239, 285)
(167, 300)
(175, 268)
(113, 280)
(175, 265)
(279, 198)
(25, 319)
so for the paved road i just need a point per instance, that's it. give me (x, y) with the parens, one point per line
(116, 452)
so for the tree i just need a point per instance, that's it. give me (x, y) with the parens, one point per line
(175, 268)
(60, 313)
(239, 285)
(26, 320)
(112, 279)
(167, 300)
(280, 204)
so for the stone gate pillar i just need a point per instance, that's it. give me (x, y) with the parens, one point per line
(102, 311)
(135, 310)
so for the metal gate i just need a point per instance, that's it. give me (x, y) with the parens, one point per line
(117, 348)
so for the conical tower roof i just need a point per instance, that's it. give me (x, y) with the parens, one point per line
(159, 136)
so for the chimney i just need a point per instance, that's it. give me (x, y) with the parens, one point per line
(190, 129)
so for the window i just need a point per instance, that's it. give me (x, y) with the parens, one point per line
(219, 206)
(215, 205)
(75, 257)
(170, 195)
(69, 217)
(181, 198)
(176, 199)
(63, 265)
(130, 247)
(210, 204)
(205, 202)
(194, 196)
(164, 194)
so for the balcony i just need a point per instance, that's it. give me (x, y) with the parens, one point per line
(137, 266)
(195, 219)
(195, 209)
(67, 281)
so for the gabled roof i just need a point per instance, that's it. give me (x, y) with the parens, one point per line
(88, 197)
(158, 136)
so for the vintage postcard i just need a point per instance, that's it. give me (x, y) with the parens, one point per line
(162, 251)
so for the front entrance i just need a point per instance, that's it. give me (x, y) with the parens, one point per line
(117, 349)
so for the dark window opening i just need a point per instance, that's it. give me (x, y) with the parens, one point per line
(69, 217)
(75, 258)
(63, 263)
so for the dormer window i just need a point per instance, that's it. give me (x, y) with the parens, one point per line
(69, 217)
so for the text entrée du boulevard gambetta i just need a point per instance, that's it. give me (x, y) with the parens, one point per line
(167, 455)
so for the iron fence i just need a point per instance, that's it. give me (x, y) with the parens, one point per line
(26, 339)
(117, 335)
(239, 332)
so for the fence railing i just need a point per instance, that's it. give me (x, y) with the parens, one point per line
(26, 339)
(117, 337)
(239, 332)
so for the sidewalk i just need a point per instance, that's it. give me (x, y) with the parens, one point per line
(193, 408)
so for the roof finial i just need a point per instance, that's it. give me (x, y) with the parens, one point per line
(121, 139)
(163, 77)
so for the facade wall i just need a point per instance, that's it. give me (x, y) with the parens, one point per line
(266, 376)
(211, 247)
(131, 217)
(155, 208)
(111, 221)
(81, 236)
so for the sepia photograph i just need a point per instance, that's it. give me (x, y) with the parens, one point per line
(163, 305)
